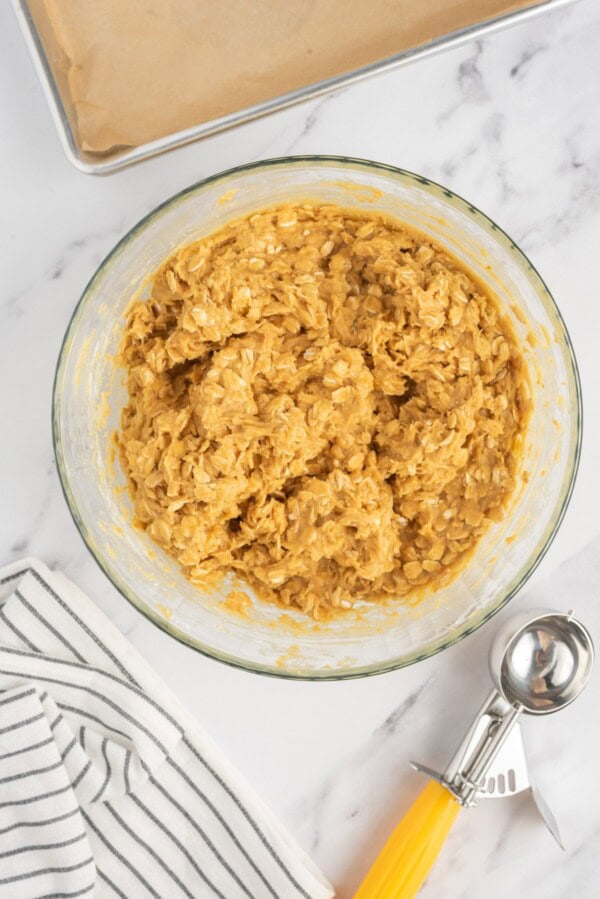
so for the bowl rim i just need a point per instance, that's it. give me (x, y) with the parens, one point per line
(354, 164)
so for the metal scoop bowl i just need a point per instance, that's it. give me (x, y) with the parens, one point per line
(541, 660)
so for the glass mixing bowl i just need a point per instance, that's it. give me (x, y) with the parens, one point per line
(89, 394)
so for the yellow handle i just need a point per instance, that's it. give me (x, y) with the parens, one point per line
(403, 864)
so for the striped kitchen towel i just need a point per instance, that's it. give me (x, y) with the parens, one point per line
(108, 787)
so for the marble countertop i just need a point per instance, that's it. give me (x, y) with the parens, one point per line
(511, 122)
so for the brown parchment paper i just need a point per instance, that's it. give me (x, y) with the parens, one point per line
(131, 71)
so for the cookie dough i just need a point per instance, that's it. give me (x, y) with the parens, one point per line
(324, 402)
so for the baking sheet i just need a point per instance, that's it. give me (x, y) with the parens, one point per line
(126, 79)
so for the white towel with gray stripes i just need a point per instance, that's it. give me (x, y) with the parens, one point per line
(108, 786)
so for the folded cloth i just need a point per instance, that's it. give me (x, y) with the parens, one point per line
(108, 786)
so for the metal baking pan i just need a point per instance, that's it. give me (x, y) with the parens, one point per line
(97, 164)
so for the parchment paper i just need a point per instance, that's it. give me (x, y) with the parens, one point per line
(131, 71)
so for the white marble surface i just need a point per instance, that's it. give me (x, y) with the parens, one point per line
(511, 122)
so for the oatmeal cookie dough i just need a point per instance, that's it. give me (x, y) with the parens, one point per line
(322, 401)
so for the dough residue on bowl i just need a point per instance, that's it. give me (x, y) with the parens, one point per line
(323, 401)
